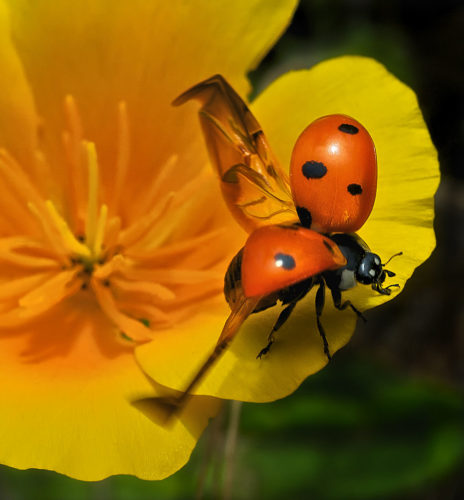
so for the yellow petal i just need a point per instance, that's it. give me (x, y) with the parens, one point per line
(144, 53)
(18, 120)
(401, 221)
(408, 170)
(75, 402)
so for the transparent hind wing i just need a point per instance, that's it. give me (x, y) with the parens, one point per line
(254, 186)
(243, 308)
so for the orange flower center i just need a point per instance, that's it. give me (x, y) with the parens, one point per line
(143, 274)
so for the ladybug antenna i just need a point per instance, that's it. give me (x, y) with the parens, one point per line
(393, 256)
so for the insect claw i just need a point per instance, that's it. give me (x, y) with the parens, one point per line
(265, 350)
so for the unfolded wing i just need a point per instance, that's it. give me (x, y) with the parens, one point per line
(243, 308)
(254, 186)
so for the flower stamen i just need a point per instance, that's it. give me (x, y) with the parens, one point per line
(92, 201)
(100, 232)
(143, 270)
(123, 155)
(72, 142)
(49, 229)
(132, 328)
(49, 292)
(73, 245)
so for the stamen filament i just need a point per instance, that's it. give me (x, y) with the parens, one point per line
(123, 155)
(112, 232)
(149, 311)
(100, 231)
(13, 288)
(117, 263)
(137, 230)
(49, 232)
(19, 181)
(92, 203)
(50, 291)
(28, 261)
(21, 315)
(177, 248)
(147, 287)
(177, 276)
(183, 201)
(72, 141)
(71, 242)
(153, 191)
(135, 329)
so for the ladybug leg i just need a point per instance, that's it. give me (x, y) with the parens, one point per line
(384, 291)
(337, 300)
(320, 301)
(283, 316)
(289, 297)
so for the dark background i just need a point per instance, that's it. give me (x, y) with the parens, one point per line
(386, 419)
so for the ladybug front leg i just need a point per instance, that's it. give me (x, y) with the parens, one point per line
(320, 301)
(337, 300)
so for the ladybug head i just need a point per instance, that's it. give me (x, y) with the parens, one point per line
(370, 269)
(371, 272)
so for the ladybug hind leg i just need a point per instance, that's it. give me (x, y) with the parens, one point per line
(289, 297)
(283, 316)
(320, 301)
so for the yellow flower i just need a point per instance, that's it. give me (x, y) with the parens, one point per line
(401, 221)
(112, 234)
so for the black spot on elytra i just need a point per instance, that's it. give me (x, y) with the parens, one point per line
(348, 129)
(354, 189)
(284, 261)
(305, 217)
(327, 245)
(313, 169)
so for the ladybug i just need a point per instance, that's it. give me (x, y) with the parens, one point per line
(302, 227)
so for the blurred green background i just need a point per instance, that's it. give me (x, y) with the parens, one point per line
(386, 419)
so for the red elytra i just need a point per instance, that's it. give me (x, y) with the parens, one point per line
(275, 257)
(333, 174)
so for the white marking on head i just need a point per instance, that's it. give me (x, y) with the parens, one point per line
(376, 261)
(372, 272)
